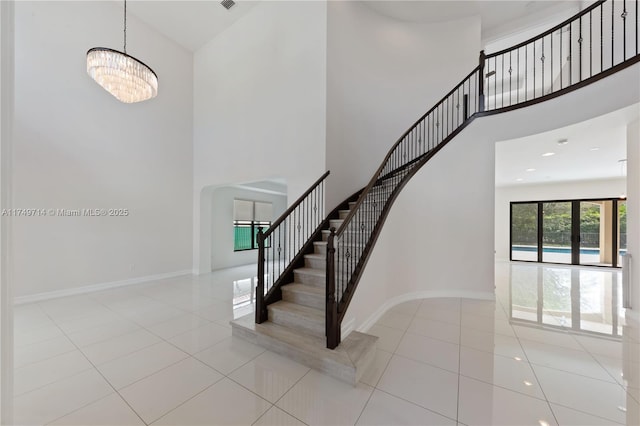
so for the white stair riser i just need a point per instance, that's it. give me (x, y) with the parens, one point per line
(315, 263)
(320, 249)
(301, 298)
(316, 280)
(295, 321)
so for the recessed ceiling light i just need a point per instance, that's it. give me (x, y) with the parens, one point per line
(543, 423)
(595, 148)
(531, 170)
(527, 383)
(517, 358)
(548, 154)
(519, 180)
(563, 141)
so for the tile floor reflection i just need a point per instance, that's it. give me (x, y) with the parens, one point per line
(554, 348)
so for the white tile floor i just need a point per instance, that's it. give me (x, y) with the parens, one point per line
(162, 353)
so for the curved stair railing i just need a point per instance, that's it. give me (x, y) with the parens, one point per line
(598, 41)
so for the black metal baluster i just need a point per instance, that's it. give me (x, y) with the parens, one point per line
(502, 78)
(551, 61)
(424, 136)
(624, 30)
(260, 287)
(612, 30)
(561, 57)
(570, 59)
(267, 268)
(480, 82)
(495, 82)
(542, 58)
(637, 31)
(445, 116)
(331, 314)
(580, 50)
(518, 76)
(526, 86)
(534, 69)
(601, 38)
(590, 44)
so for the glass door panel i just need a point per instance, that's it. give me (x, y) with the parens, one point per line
(524, 231)
(556, 232)
(596, 232)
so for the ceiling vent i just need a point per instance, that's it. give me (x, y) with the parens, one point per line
(228, 4)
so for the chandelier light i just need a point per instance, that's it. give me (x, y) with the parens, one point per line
(126, 78)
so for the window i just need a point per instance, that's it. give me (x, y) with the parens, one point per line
(248, 218)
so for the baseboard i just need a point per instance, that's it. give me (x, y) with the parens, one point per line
(369, 322)
(347, 327)
(39, 297)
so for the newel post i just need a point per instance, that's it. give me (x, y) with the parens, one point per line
(332, 326)
(261, 309)
(481, 82)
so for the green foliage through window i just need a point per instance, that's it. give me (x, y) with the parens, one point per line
(245, 234)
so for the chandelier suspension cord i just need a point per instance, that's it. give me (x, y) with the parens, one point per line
(125, 26)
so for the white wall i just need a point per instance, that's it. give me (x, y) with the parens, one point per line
(438, 239)
(259, 106)
(222, 254)
(78, 147)
(382, 75)
(601, 188)
(633, 210)
(6, 143)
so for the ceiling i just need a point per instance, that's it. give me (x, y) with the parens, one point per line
(189, 23)
(578, 159)
(493, 14)
(192, 23)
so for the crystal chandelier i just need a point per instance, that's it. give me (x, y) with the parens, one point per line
(122, 75)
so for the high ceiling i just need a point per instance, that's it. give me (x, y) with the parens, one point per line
(189, 23)
(494, 14)
(193, 23)
(593, 150)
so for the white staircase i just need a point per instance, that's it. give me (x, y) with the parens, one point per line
(296, 324)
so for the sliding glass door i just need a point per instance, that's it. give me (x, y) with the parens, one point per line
(574, 232)
(596, 232)
(556, 232)
(524, 231)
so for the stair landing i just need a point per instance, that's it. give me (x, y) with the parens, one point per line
(347, 362)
